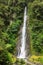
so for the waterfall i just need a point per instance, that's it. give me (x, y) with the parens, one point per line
(23, 38)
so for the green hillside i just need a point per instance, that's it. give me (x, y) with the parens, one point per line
(11, 19)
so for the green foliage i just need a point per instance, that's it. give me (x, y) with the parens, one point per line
(38, 11)
(11, 18)
(36, 25)
(4, 58)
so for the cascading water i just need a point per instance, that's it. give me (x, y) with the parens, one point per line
(23, 38)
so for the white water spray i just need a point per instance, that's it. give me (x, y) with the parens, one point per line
(23, 38)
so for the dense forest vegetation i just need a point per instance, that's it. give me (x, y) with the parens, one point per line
(11, 18)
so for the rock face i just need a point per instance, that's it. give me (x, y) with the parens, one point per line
(27, 39)
(18, 41)
(27, 48)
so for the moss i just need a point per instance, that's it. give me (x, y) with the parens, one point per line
(36, 59)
